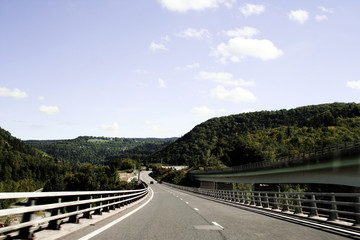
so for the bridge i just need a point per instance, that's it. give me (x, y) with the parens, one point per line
(339, 164)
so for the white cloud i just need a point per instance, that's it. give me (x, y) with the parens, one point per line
(223, 78)
(240, 48)
(15, 93)
(252, 9)
(196, 5)
(41, 98)
(189, 66)
(235, 95)
(325, 10)
(300, 16)
(157, 46)
(110, 127)
(203, 111)
(161, 83)
(194, 33)
(321, 18)
(246, 32)
(353, 84)
(50, 110)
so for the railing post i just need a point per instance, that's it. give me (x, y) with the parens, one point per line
(253, 203)
(313, 210)
(333, 212)
(74, 218)
(55, 224)
(87, 214)
(267, 204)
(98, 204)
(357, 211)
(26, 233)
(298, 207)
(275, 202)
(259, 202)
(285, 204)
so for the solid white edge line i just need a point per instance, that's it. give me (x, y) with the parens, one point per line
(96, 232)
(216, 224)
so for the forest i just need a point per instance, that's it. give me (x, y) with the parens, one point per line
(257, 136)
(100, 150)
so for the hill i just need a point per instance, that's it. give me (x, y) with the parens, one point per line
(23, 168)
(100, 150)
(256, 136)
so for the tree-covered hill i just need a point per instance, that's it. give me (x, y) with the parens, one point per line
(99, 150)
(23, 168)
(256, 136)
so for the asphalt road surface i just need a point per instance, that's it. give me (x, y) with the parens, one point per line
(173, 214)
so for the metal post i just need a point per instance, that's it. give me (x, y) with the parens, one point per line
(313, 210)
(26, 233)
(333, 212)
(55, 224)
(298, 207)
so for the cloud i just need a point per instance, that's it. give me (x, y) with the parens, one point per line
(155, 126)
(161, 83)
(300, 16)
(353, 84)
(240, 48)
(223, 78)
(196, 5)
(325, 10)
(194, 33)
(202, 111)
(189, 66)
(110, 127)
(252, 9)
(321, 18)
(15, 93)
(246, 32)
(235, 95)
(50, 110)
(155, 46)
(41, 98)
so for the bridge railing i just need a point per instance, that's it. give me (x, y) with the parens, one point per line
(315, 156)
(50, 209)
(335, 207)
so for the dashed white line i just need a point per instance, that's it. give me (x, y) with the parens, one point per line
(196, 209)
(216, 224)
(187, 202)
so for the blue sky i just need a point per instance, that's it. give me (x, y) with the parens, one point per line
(157, 68)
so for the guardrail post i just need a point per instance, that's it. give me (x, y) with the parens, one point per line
(267, 204)
(333, 212)
(275, 202)
(74, 218)
(88, 205)
(313, 210)
(253, 203)
(259, 202)
(298, 207)
(26, 233)
(285, 204)
(98, 204)
(357, 211)
(55, 224)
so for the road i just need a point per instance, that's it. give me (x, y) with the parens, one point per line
(173, 214)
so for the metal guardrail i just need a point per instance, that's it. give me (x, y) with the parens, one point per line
(61, 206)
(334, 207)
(318, 155)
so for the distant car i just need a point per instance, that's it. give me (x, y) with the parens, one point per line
(151, 182)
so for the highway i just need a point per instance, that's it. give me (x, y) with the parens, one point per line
(171, 214)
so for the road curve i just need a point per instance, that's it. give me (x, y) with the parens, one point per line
(172, 214)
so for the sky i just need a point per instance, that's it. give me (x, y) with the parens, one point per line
(157, 68)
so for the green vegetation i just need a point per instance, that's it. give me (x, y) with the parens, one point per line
(251, 137)
(100, 150)
(23, 168)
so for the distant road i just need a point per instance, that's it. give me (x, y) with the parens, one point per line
(173, 214)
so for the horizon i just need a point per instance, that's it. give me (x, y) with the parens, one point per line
(157, 69)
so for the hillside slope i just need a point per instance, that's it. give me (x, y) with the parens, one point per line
(99, 150)
(256, 136)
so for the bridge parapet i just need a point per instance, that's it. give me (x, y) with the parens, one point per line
(316, 156)
(60, 206)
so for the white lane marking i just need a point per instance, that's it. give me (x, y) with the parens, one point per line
(94, 233)
(187, 202)
(216, 224)
(181, 199)
(196, 209)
